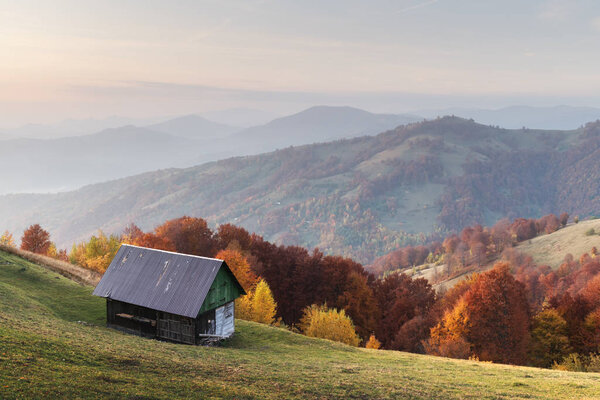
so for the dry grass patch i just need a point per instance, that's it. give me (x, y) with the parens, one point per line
(574, 239)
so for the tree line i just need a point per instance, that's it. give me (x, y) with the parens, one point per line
(517, 312)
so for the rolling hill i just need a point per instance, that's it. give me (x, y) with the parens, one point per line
(360, 197)
(53, 344)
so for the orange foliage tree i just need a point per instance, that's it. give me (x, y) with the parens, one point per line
(490, 320)
(240, 268)
(151, 240)
(373, 343)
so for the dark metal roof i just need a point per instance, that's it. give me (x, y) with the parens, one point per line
(160, 280)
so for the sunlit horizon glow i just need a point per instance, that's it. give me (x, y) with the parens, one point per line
(80, 59)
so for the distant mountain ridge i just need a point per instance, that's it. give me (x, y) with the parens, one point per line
(47, 165)
(515, 117)
(360, 197)
(194, 127)
(37, 165)
(317, 125)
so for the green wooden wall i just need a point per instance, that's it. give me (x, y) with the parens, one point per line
(223, 290)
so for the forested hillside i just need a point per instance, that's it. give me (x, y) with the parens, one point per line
(361, 197)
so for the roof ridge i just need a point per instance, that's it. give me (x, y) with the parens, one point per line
(171, 252)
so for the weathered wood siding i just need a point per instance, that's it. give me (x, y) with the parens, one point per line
(225, 322)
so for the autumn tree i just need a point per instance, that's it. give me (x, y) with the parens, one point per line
(498, 316)
(564, 218)
(35, 239)
(549, 340)
(131, 233)
(591, 331)
(240, 268)
(243, 307)
(264, 307)
(373, 343)
(97, 253)
(228, 234)
(449, 337)
(7, 239)
(151, 240)
(399, 300)
(189, 236)
(321, 322)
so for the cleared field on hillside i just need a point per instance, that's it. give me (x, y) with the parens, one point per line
(551, 249)
(46, 351)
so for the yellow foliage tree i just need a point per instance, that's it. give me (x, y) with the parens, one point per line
(52, 251)
(97, 253)
(373, 343)
(7, 239)
(321, 322)
(263, 304)
(243, 307)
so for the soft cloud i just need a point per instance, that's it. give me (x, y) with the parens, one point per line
(596, 24)
(555, 10)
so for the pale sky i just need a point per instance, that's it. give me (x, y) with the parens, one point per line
(76, 59)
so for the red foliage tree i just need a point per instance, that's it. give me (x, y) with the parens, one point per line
(564, 218)
(228, 234)
(498, 317)
(132, 232)
(35, 239)
(189, 235)
(400, 299)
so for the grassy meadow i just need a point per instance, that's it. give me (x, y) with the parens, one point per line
(53, 344)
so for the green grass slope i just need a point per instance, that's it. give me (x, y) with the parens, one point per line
(53, 345)
(551, 249)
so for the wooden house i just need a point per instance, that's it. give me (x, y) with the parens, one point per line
(170, 296)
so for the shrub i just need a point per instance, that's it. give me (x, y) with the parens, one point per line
(373, 343)
(593, 363)
(575, 362)
(590, 232)
(318, 321)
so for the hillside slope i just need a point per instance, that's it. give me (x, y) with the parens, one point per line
(359, 197)
(574, 239)
(52, 331)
